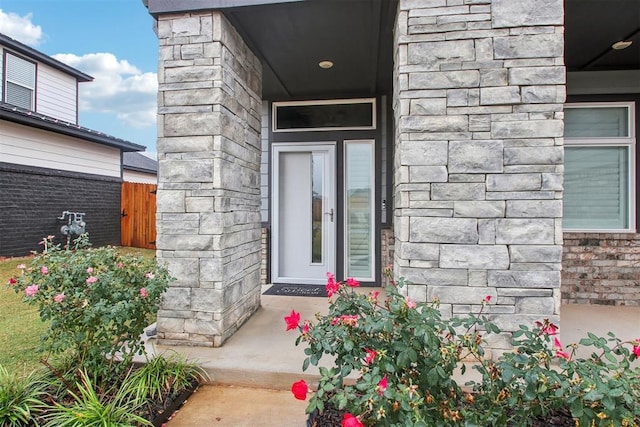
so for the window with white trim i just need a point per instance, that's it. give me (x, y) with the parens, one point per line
(599, 167)
(19, 82)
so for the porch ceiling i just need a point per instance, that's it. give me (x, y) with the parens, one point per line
(292, 36)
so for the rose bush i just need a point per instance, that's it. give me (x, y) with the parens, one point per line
(96, 301)
(394, 364)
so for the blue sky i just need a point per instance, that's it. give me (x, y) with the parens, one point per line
(111, 40)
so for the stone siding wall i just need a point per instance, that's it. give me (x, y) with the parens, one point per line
(208, 201)
(601, 268)
(32, 199)
(478, 102)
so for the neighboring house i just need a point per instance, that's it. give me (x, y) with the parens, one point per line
(344, 136)
(50, 164)
(139, 168)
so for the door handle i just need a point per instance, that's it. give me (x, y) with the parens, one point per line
(330, 213)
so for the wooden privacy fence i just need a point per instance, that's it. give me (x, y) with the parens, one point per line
(138, 211)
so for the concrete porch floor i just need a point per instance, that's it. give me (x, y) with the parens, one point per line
(251, 374)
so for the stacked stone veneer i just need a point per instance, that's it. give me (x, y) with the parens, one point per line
(479, 158)
(208, 201)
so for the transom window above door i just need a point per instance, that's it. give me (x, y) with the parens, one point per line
(324, 115)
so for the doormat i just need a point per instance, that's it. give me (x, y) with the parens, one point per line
(297, 290)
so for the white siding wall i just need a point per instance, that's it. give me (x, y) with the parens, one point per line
(264, 163)
(56, 91)
(1, 72)
(56, 94)
(24, 145)
(141, 177)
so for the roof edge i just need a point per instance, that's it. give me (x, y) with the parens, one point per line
(156, 7)
(45, 59)
(40, 121)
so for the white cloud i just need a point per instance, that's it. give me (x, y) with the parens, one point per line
(20, 28)
(118, 88)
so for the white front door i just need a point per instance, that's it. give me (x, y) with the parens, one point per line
(304, 212)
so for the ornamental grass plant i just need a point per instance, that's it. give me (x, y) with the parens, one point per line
(395, 359)
(20, 397)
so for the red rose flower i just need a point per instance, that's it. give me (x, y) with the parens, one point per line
(636, 348)
(353, 283)
(382, 386)
(293, 320)
(332, 285)
(349, 420)
(371, 355)
(300, 390)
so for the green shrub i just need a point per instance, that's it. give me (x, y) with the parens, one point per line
(401, 356)
(20, 397)
(96, 301)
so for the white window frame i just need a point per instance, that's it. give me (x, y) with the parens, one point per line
(7, 55)
(371, 101)
(628, 142)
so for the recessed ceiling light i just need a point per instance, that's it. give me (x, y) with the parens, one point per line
(325, 64)
(622, 44)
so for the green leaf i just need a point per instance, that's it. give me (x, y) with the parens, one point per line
(577, 408)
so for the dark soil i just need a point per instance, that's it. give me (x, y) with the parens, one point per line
(331, 417)
(157, 411)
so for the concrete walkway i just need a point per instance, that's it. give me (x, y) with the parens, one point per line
(252, 373)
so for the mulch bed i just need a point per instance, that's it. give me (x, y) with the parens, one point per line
(332, 417)
(157, 411)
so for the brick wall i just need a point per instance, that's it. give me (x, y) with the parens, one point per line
(32, 199)
(601, 268)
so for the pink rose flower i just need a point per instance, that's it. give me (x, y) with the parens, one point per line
(292, 320)
(486, 299)
(90, 270)
(349, 420)
(409, 302)
(305, 328)
(31, 290)
(44, 270)
(59, 297)
(21, 266)
(144, 293)
(91, 279)
(373, 296)
(300, 390)
(120, 265)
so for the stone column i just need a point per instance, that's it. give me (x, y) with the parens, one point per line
(208, 201)
(478, 103)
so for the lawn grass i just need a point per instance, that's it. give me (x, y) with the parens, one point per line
(20, 324)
